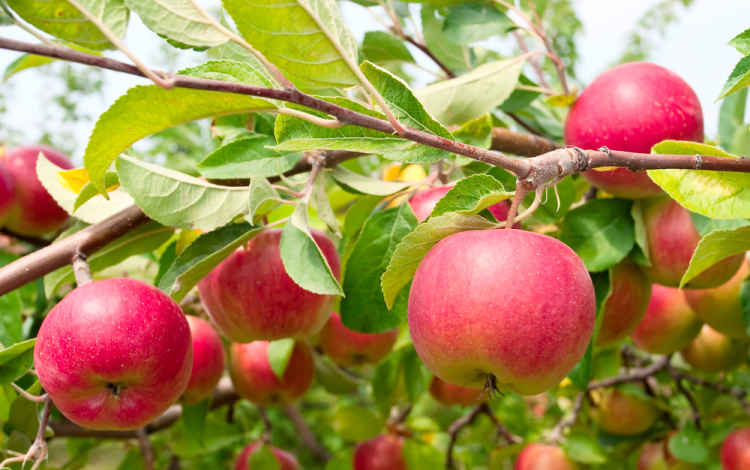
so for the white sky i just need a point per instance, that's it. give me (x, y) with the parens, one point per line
(694, 47)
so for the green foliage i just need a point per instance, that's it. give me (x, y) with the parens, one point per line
(178, 20)
(471, 195)
(279, 354)
(356, 424)
(474, 22)
(716, 246)
(245, 158)
(385, 49)
(16, 360)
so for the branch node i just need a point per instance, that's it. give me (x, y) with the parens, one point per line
(698, 162)
(81, 269)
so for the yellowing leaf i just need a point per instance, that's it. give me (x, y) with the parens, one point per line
(73, 180)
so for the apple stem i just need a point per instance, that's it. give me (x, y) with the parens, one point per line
(265, 437)
(146, 448)
(27, 395)
(81, 269)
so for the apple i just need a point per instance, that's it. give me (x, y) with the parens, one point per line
(286, 460)
(735, 451)
(623, 414)
(350, 348)
(669, 324)
(449, 395)
(633, 107)
(208, 361)
(423, 202)
(255, 381)
(721, 307)
(7, 194)
(543, 457)
(626, 306)
(35, 212)
(250, 297)
(114, 354)
(672, 240)
(384, 452)
(656, 456)
(712, 351)
(505, 307)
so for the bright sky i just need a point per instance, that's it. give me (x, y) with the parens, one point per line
(694, 47)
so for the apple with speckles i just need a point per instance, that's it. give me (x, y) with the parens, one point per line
(543, 457)
(384, 452)
(7, 194)
(625, 307)
(714, 352)
(208, 361)
(286, 460)
(623, 414)
(735, 451)
(669, 324)
(450, 395)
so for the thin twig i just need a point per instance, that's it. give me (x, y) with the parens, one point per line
(557, 432)
(735, 392)
(677, 377)
(634, 375)
(147, 450)
(306, 436)
(455, 427)
(502, 431)
(81, 269)
(27, 395)
(24, 238)
(265, 436)
(429, 54)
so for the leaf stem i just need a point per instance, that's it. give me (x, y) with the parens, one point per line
(34, 33)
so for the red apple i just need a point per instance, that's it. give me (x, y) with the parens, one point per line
(624, 414)
(448, 394)
(423, 202)
(543, 457)
(672, 240)
(626, 306)
(256, 382)
(508, 306)
(712, 351)
(350, 348)
(382, 452)
(250, 297)
(35, 212)
(669, 324)
(721, 307)
(208, 361)
(735, 451)
(656, 456)
(114, 354)
(286, 460)
(633, 107)
(7, 193)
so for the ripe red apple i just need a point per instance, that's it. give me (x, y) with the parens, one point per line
(114, 354)
(250, 297)
(35, 212)
(672, 240)
(350, 348)
(721, 307)
(423, 202)
(626, 306)
(256, 382)
(449, 395)
(508, 306)
(382, 452)
(286, 460)
(712, 351)
(735, 451)
(543, 457)
(633, 107)
(656, 456)
(669, 324)
(624, 414)
(208, 361)
(7, 193)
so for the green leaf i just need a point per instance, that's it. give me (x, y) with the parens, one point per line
(385, 381)
(583, 448)
(16, 360)
(155, 109)
(416, 375)
(245, 158)
(165, 261)
(364, 185)
(741, 42)
(716, 194)
(471, 196)
(520, 99)
(302, 258)
(28, 61)
(279, 354)
(263, 459)
(477, 132)
(342, 461)
(380, 47)
(474, 22)
(714, 247)
(745, 302)
(202, 256)
(601, 232)
(263, 199)
(143, 239)
(89, 191)
(322, 206)
(62, 20)
(178, 20)
(472, 94)
(178, 200)
(689, 445)
(364, 308)
(5, 18)
(639, 225)
(583, 371)
(451, 55)
(23, 416)
(414, 247)
(738, 79)
(355, 423)
(408, 111)
(194, 417)
(420, 455)
(705, 225)
(278, 28)
(358, 214)
(732, 117)
(333, 378)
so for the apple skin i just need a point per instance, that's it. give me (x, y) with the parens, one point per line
(712, 351)
(423, 202)
(256, 382)
(384, 452)
(672, 240)
(208, 361)
(624, 415)
(7, 194)
(35, 212)
(350, 348)
(735, 451)
(626, 306)
(286, 460)
(250, 297)
(669, 324)
(467, 324)
(633, 107)
(721, 307)
(656, 456)
(114, 332)
(543, 457)
(448, 394)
